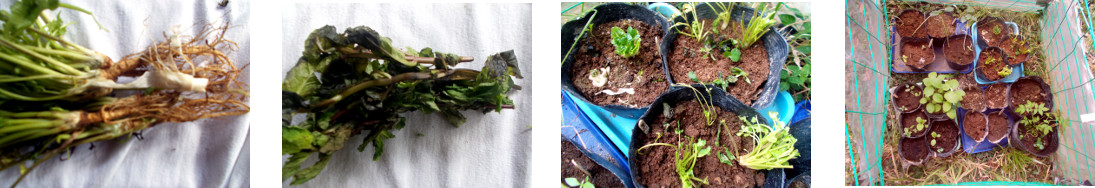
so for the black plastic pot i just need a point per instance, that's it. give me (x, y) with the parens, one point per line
(958, 65)
(977, 89)
(957, 138)
(1045, 90)
(953, 22)
(981, 38)
(900, 52)
(893, 96)
(774, 43)
(1012, 120)
(801, 131)
(1004, 59)
(801, 178)
(717, 96)
(972, 114)
(1025, 58)
(621, 174)
(921, 23)
(901, 118)
(605, 13)
(1051, 144)
(910, 142)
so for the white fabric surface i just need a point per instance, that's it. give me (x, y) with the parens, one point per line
(204, 153)
(490, 150)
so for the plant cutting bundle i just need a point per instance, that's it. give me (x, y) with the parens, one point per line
(55, 94)
(365, 83)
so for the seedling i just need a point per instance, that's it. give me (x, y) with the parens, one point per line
(920, 124)
(934, 136)
(627, 42)
(904, 58)
(758, 25)
(774, 145)
(692, 76)
(726, 158)
(941, 94)
(686, 157)
(1004, 72)
(1031, 108)
(734, 54)
(696, 28)
(573, 182)
(996, 29)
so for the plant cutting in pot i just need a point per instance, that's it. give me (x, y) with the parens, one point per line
(1029, 89)
(975, 98)
(910, 23)
(941, 96)
(940, 24)
(906, 97)
(998, 127)
(943, 138)
(612, 57)
(992, 30)
(729, 46)
(364, 84)
(975, 125)
(992, 64)
(917, 53)
(1036, 130)
(997, 90)
(697, 136)
(958, 50)
(915, 124)
(1016, 49)
(581, 171)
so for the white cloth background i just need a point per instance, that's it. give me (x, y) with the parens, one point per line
(490, 150)
(204, 153)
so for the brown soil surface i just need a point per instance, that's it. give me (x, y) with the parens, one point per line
(657, 163)
(959, 50)
(948, 136)
(914, 149)
(984, 29)
(998, 126)
(908, 100)
(601, 176)
(1011, 46)
(974, 125)
(1027, 90)
(917, 53)
(997, 91)
(910, 22)
(991, 69)
(974, 99)
(908, 120)
(686, 57)
(941, 25)
(596, 51)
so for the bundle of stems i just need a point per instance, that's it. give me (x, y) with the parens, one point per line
(365, 83)
(55, 94)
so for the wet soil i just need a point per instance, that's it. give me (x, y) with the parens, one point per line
(991, 61)
(687, 56)
(948, 136)
(914, 149)
(917, 53)
(985, 30)
(997, 90)
(941, 25)
(974, 125)
(657, 163)
(643, 72)
(908, 100)
(998, 126)
(909, 24)
(1012, 46)
(959, 50)
(974, 99)
(1027, 90)
(601, 176)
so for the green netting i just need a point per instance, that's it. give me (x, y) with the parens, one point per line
(867, 64)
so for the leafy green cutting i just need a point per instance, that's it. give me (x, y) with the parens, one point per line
(774, 145)
(627, 42)
(365, 84)
(920, 124)
(1004, 72)
(758, 25)
(573, 182)
(941, 94)
(687, 154)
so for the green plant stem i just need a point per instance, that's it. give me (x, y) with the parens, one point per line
(579, 36)
(411, 76)
(27, 64)
(62, 67)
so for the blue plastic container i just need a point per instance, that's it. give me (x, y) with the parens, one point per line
(969, 145)
(784, 105)
(616, 128)
(580, 131)
(1016, 71)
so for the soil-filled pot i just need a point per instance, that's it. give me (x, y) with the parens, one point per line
(676, 118)
(1025, 137)
(992, 63)
(912, 123)
(959, 52)
(941, 25)
(800, 181)
(1016, 48)
(594, 73)
(763, 60)
(991, 31)
(999, 124)
(917, 53)
(943, 139)
(975, 125)
(910, 23)
(575, 164)
(906, 97)
(996, 90)
(974, 99)
(1029, 88)
(914, 151)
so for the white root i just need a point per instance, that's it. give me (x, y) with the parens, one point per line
(160, 80)
(628, 91)
(599, 80)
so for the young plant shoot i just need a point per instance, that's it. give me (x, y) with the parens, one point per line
(627, 42)
(758, 25)
(774, 145)
(56, 94)
(365, 83)
(941, 95)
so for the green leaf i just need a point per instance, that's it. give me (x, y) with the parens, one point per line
(573, 182)
(787, 19)
(932, 108)
(929, 91)
(312, 171)
(293, 165)
(946, 106)
(733, 54)
(951, 97)
(804, 49)
(294, 139)
(627, 43)
(937, 98)
(952, 114)
(692, 76)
